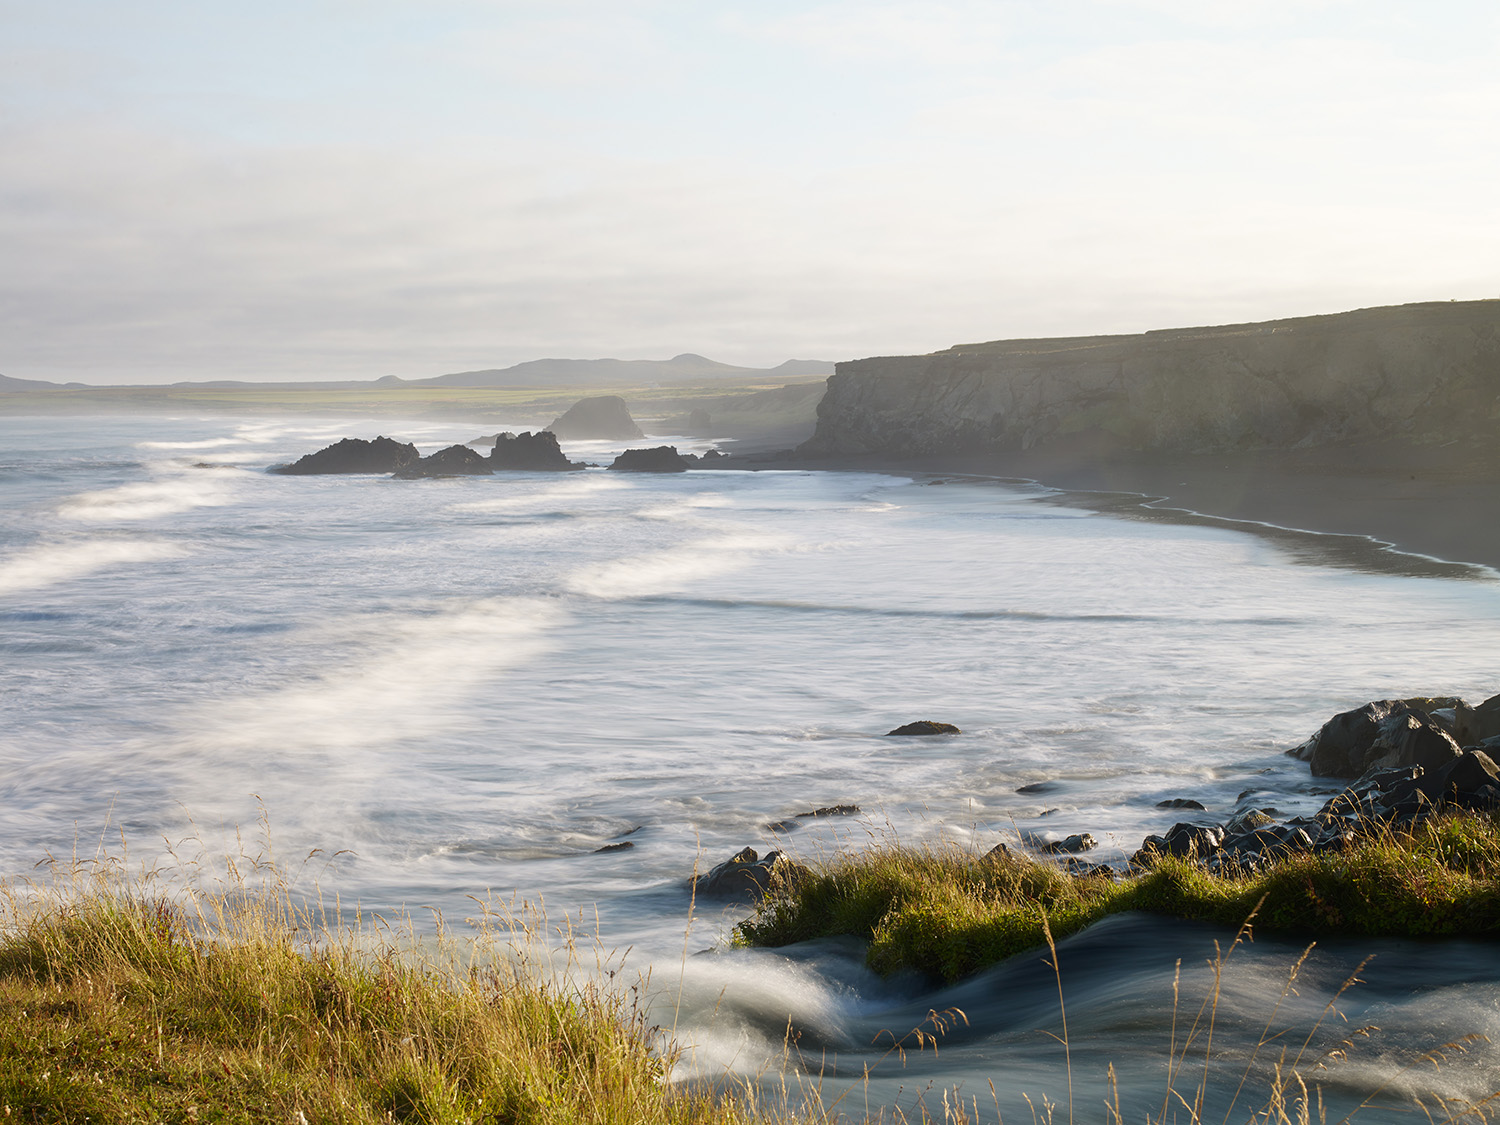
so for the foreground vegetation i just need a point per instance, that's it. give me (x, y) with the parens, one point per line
(118, 1008)
(949, 913)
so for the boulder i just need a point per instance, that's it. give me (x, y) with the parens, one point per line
(662, 459)
(925, 727)
(354, 455)
(1181, 803)
(455, 461)
(747, 877)
(530, 453)
(605, 418)
(1192, 841)
(1486, 719)
(1385, 733)
(1465, 779)
(1071, 845)
(831, 810)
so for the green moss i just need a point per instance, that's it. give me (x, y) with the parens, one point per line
(950, 914)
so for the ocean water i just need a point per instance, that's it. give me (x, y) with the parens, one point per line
(429, 695)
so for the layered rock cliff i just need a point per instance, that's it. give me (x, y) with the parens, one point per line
(1425, 372)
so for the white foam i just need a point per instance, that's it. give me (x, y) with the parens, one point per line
(547, 497)
(660, 572)
(147, 500)
(52, 563)
(392, 677)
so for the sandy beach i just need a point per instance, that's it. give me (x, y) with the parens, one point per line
(1437, 501)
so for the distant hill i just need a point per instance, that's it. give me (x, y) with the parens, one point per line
(685, 368)
(615, 372)
(9, 384)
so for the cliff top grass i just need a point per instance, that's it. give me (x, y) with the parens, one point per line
(951, 913)
(119, 1007)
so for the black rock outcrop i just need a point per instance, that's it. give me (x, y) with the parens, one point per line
(530, 453)
(1384, 734)
(605, 418)
(747, 877)
(354, 455)
(922, 727)
(455, 461)
(662, 459)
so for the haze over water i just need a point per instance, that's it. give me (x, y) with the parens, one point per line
(467, 686)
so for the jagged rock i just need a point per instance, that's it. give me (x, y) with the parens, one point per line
(1189, 840)
(748, 877)
(530, 453)
(455, 461)
(661, 459)
(1387, 732)
(923, 727)
(1486, 720)
(831, 810)
(354, 455)
(1179, 803)
(1248, 821)
(604, 418)
(1078, 842)
(623, 846)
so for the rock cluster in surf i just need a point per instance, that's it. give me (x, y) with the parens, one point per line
(354, 455)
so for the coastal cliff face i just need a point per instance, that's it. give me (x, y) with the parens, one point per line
(1425, 372)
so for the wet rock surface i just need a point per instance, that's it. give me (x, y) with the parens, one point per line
(796, 819)
(923, 727)
(530, 453)
(354, 455)
(747, 877)
(455, 461)
(661, 459)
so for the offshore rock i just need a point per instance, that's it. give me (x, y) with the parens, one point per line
(455, 461)
(530, 453)
(662, 459)
(1071, 845)
(794, 821)
(924, 727)
(603, 418)
(354, 455)
(747, 877)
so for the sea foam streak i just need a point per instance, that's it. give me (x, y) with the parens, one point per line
(659, 572)
(394, 677)
(51, 563)
(149, 500)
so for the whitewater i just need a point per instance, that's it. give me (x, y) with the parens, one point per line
(426, 696)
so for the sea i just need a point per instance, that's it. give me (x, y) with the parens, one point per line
(439, 699)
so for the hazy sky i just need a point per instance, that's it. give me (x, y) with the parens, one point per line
(356, 188)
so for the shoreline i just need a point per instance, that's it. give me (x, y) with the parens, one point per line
(1421, 511)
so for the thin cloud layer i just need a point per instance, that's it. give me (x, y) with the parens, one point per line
(340, 191)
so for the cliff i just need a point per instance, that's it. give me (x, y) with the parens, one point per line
(1424, 372)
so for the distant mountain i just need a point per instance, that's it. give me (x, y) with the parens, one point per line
(614, 372)
(7, 384)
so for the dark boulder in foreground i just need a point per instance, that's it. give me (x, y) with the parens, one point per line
(605, 418)
(662, 459)
(530, 453)
(747, 877)
(354, 455)
(1385, 734)
(924, 726)
(455, 461)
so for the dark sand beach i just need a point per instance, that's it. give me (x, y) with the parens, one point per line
(1442, 502)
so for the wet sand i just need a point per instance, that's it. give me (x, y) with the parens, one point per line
(1339, 503)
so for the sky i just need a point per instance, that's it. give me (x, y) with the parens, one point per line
(293, 189)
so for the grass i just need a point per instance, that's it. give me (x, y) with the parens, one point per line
(116, 1006)
(245, 1004)
(950, 913)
